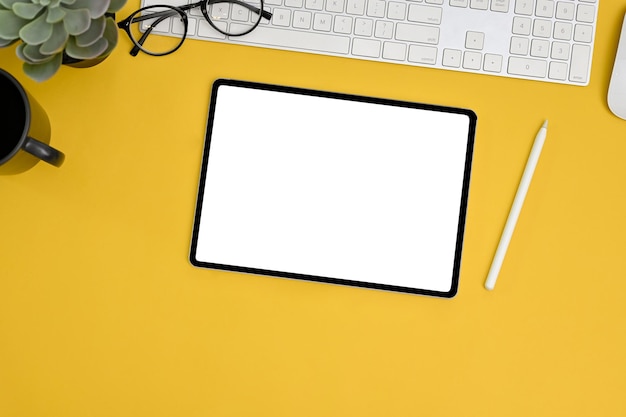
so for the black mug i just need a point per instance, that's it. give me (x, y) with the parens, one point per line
(24, 129)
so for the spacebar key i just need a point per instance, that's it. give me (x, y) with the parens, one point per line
(528, 67)
(280, 38)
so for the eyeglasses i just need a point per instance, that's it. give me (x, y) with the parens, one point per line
(227, 17)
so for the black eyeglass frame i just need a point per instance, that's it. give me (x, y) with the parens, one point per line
(181, 11)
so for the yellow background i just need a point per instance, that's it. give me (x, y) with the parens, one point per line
(101, 314)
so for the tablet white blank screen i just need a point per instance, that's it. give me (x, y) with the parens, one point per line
(333, 188)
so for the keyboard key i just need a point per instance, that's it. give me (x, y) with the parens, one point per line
(417, 33)
(220, 10)
(423, 54)
(542, 28)
(459, 3)
(500, 6)
(565, 10)
(539, 48)
(493, 63)
(396, 10)
(519, 46)
(545, 8)
(582, 33)
(363, 27)
(521, 25)
(452, 58)
(179, 29)
(366, 47)
(585, 13)
(321, 22)
(313, 4)
(560, 50)
(240, 13)
(394, 51)
(474, 40)
(563, 31)
(424, 14)
(356, 7)
(472, 60)
(207, 31)
(479, 4)
(579, 66)
(524, 7)
(343, 24)
(558, 71)
(281, 17)
(302, 19)
(376, 8)
(384, 30)
(527, 67)
(192, 12)
(335, 6)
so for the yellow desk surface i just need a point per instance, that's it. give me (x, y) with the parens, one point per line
(101, 313)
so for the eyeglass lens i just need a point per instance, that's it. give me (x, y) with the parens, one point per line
(234, 18)
(157, 20)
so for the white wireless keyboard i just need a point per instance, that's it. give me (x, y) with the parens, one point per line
(546, 40)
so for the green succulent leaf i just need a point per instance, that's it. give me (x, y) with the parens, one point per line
(96, 8)
(6, 42)
(76, 21)
(92, 34)
(55, 15)
(10, 25)
(8, 4)
(19, 53)
(26, 10)
(86, 52)
(68, 1)
(116, 6)
(110, 34)
(57, 40)
(36, 32)
(31, 54)
(43, 71)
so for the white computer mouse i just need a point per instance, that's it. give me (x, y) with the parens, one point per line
(617, 86)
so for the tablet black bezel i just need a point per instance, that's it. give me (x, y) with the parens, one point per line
(341, 96)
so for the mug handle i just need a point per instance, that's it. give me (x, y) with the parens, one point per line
(44, 152)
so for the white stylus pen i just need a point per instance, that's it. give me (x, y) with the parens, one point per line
(511, 221)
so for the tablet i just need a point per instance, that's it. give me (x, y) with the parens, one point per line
(333, 188)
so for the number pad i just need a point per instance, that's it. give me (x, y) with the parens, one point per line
(543, 29)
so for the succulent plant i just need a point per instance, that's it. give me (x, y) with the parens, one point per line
(51, 29)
